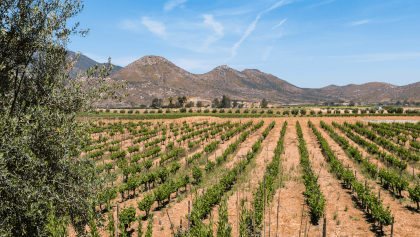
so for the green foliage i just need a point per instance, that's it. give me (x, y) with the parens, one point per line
(223, 227)
(56, 227)
(149, 231)
(125, 218)
(197, 173)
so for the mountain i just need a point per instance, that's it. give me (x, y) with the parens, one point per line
(85, 63)
(156, 77)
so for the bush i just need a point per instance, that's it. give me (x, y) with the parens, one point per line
(214, 111)
(270, 111)
(183, 110)
(328, 111)
(237, 111)
(337, 111)
(168, 111)
(137, 112)
(295, 111)
(246, 111)
(262, 111)
(130, 111)
(312, 112)
(278, 112)
(190, 111)
(363, 111)
(152, 111)
(206, 111)
(346, 111)
(399, 110)
(230, 111)
(303, 111)
(286, 112)
(115, 111)
(100, 111)
(320, 112)
(372, 111)
(146, 112)
(160, 111)
(355, 111)
(122, 111)
(221, 111)
(254, 111)
(107, 110)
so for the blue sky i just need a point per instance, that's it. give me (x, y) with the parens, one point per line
(309, 43)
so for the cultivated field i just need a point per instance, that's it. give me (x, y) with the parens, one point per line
(279, 176)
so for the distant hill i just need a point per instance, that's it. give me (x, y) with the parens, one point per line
(154, 76)
(85, 63)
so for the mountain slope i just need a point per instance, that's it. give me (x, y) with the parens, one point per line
(156, 77)
(84, 63)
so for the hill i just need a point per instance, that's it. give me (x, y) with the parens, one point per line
(85, 63)
(156, 77)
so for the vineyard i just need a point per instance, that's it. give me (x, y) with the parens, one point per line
(284, 176)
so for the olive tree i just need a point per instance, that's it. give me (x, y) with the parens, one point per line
(41, 171)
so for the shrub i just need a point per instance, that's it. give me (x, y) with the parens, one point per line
(115, 111)
(262, 111)
(137, 112)
(355, 111)
(372, 111)
(295, 111)
(270, 111)
(190, 111)
(130, 111)
(230, 111)
(160, 111)
(337, 111)
(168, 111)
(363, 111)
(286, 112)
(246, 111)
(320, 112)
(122, 111)
(221, 111)
(328, 111)
(214, 111)
(399, 110)
(254, 111)
(346, 111)
(107, 110)
(206, 111)
(198, 111)
(303, 111)
(278, 112)
(152, 111)
(237, 111)
(183, 110)
(312, 112)
(146, 112)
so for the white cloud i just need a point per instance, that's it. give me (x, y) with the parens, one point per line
(251, 27)
(97, 58)
(208, 20)
(356, 23)
(171, 4)
(130, 25)
(266, 53)
(154, 26)
(281, 23)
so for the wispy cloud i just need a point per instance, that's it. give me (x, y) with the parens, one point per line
(208, 20)
(281, 23)
(320, 3)
(266, 53)
(251, 27)
(154, 26)
(356, 23)
(171, 4)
